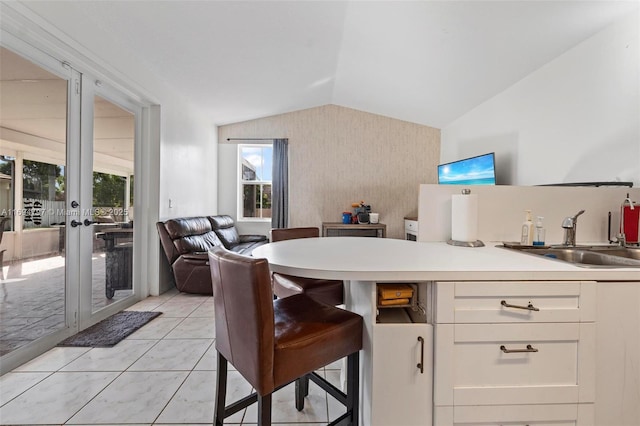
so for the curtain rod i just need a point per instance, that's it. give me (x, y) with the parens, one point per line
(252, 139)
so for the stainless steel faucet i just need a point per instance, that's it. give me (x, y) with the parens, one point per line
(569, 225)
(621, 239)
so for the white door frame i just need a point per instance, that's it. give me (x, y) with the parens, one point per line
(90, 88)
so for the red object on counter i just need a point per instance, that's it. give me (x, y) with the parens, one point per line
(630, 220)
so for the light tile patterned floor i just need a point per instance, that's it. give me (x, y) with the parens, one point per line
(164, 373)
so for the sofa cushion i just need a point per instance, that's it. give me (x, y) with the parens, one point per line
(181, 227)
(229, 237)
(246, 248)
(192, 234)
(225, 228)
(197, 243)
(221, 222)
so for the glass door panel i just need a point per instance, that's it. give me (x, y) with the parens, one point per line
(113, 156)
(34, 291)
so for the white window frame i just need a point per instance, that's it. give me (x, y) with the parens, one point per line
(242, 182)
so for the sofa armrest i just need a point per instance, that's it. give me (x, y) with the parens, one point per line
(249, 238)
(192, 273)
(200, 257)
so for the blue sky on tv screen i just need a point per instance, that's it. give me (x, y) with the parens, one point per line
(472, 171)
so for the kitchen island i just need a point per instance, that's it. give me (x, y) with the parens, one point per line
(460, 290)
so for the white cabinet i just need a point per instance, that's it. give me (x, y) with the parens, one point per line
(500, 415)
(402, 359)
(395, 389)
(402, 392)
(411, 229)
(618, 354)
(502, 345)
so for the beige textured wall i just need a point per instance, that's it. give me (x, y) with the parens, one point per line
(338, 156)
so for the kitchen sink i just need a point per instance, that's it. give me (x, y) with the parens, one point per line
(587, 256)
(628, 252)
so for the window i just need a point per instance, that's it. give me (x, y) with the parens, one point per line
(255, 181)
(43, 194)
(109, 197)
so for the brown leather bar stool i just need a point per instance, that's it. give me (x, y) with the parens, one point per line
(274, 342)
(330, 292)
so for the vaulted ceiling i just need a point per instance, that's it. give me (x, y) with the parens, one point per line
(427, 62)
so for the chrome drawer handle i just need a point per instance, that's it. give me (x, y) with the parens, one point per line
(421, 363)
(529, 348)
(529, 307)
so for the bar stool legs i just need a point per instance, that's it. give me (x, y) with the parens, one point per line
(350, 400)
(221, 390)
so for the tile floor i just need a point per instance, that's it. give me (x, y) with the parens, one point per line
(163, 374)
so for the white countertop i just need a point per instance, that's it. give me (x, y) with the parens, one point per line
(385, 259)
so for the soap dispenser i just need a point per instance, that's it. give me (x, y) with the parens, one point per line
(538, 238)
(526, 237)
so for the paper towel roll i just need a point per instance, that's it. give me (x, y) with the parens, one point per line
(464, 217)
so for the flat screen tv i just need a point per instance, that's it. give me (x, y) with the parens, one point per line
(479, 170)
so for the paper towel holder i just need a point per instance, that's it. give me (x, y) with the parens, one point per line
(476, 243)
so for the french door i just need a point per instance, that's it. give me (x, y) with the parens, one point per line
(108, 131)
(67, 161)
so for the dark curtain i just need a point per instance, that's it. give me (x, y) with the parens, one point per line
(280, 184)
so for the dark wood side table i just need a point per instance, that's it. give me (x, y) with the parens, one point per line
(119, 259)
(339, 229)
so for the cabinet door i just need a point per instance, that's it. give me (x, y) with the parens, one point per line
(498, 415)
(516, 364)
(618, 354)
(402, 393)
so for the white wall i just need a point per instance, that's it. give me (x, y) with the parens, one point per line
(188, 163)
(576, 119)
(338, 156)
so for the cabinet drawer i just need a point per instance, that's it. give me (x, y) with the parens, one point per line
(411, 225)
(485, 364)
(520, 302)
(545, 414)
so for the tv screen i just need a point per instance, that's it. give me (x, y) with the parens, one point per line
(479, 170)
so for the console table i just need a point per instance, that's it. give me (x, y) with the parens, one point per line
(119, 259)
(339, 229)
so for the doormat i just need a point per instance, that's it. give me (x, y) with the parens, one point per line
(110, 330)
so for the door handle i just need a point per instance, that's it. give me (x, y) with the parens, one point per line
(75, 223)
(88, 222)
(529, 307)
(421, 363)
(529, 348)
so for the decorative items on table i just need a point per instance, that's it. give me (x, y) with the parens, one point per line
(361, 212)
(346, 217)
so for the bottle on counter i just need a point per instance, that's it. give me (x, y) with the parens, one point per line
(526, 237)
(538, 238)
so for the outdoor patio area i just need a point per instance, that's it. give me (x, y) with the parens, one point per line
(32, 297)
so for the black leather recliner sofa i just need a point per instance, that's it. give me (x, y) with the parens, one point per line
(185, 242)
